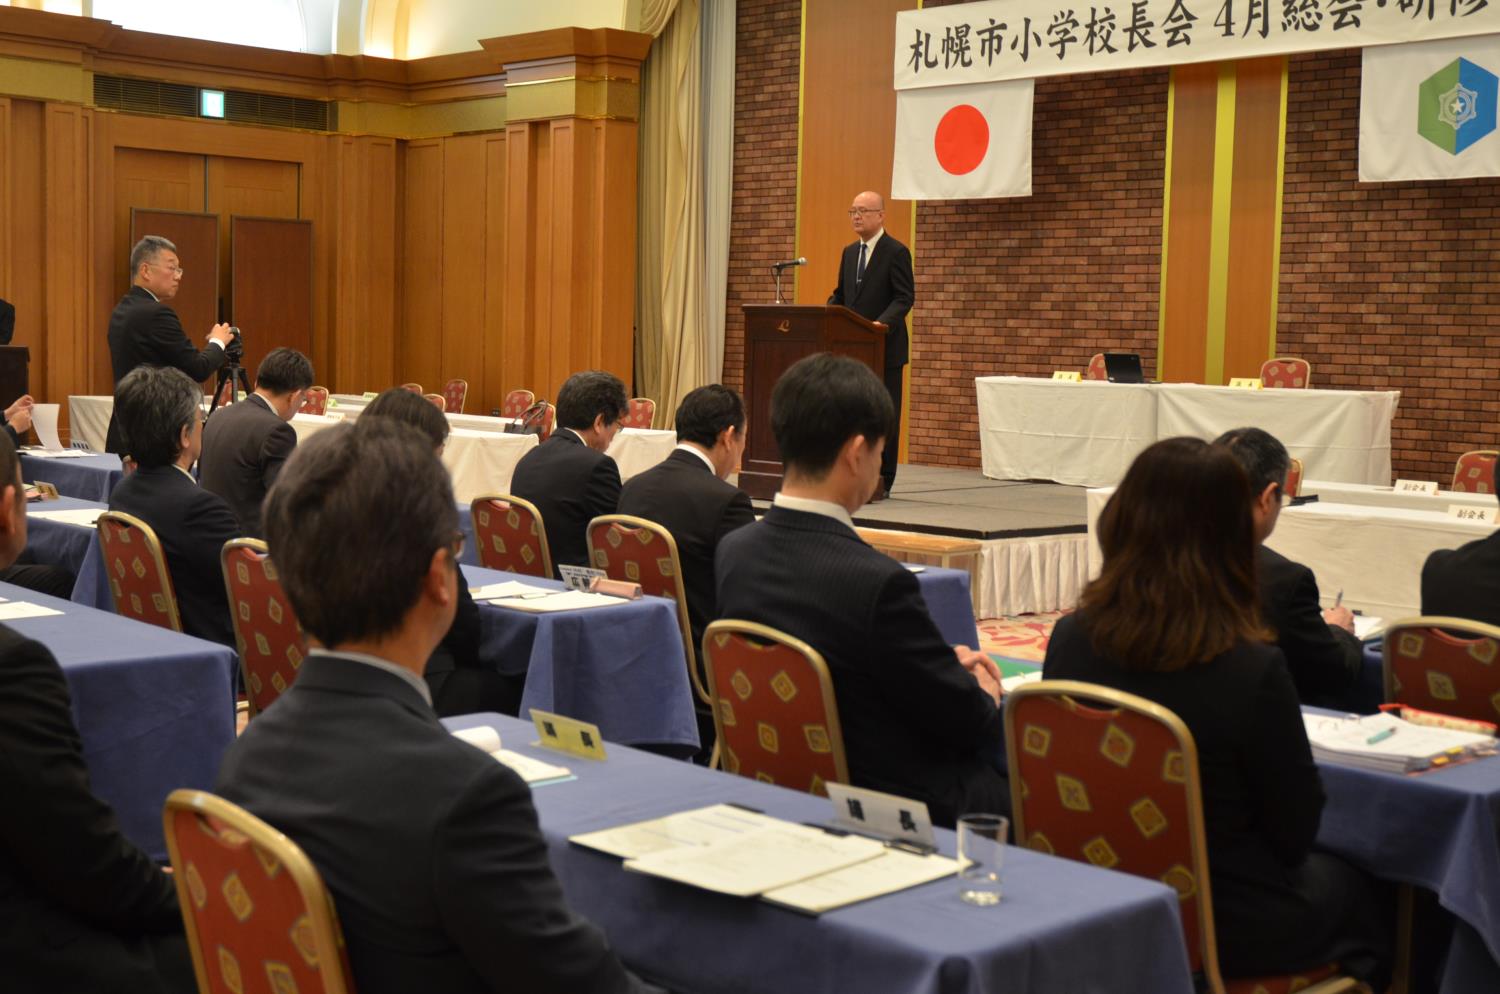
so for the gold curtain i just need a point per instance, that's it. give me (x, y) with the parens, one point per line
(670, 356)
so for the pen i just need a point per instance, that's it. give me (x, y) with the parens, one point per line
(1339, 599)
(1380, 736)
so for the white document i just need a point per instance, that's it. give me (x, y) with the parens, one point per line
(481, 737)
(698, 827)
(44, 420)
(16, 610)
(57, 453)
(887, 873)
(1367, 626)
(558, 600)
(758, 861)
(1009, 683)
(1385, 742)
(534, 771)
(510, 588)
(83, 517)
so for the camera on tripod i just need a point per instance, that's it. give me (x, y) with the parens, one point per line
(235, 350)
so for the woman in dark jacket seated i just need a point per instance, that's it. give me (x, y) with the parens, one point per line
(1174, 617)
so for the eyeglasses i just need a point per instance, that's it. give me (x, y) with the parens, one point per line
(176, 270)
(862, 211)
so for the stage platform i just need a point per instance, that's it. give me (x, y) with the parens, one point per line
(1027, 541)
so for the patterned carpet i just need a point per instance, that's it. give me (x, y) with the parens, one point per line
(1023, 637)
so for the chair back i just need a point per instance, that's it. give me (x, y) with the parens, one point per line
(315, 401)
(226, 393)
(413, 387)
(641, 414)
(774, 709)
(436, 400)
(1447, 665)
(549, 420)
(266, 631)
(1474, 473)
(257, 913)
(509, 534)
(640, 551)
(455, 392)
(138, 576)
(1286, 372)
(516, 402)
(1294, 478)
(1096, 370)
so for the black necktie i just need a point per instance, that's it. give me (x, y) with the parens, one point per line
(859, 272)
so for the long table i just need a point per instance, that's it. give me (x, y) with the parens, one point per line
(155, 708)
(1061, 925)
(87, 478)
(1087, 434)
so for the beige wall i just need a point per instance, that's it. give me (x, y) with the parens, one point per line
(440, 27)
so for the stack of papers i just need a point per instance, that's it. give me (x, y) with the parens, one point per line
(535, 772)
(16, 610)
(736, 851)
(84, 517)
(1009, 683)
(527, 597)
(1368, 627)
(36, 453)
(1385, 742)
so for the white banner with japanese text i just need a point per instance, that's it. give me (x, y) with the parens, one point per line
(1019, 39)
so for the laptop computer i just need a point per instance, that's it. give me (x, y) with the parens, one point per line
(1123, 367)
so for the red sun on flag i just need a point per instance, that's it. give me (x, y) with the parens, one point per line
(962, 139)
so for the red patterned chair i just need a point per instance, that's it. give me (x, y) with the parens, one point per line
(774, 710)
(258, 916)
(509, 535)
(138, 576)
(413, 387)
(516, 403)
(1096, 370)
(641, 414)
(1286, 371)
(1114, 782)
(266, 632)
(640, 551)
(315, 401)
(455, 392)
(1294, 479)
(1448, 665)
(549, 419)
(1474, 473)
(436, 400)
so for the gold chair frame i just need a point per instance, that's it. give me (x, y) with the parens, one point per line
(765, 633)
(327, 937)
(158, 561)
(258, 546)
(1287, 358)
(541, 527)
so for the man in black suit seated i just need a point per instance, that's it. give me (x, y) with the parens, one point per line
(145, 331)
(431, 849)
(46, 578)
(1464, 582)
(920, 718)
(245, 444)
(1321, 650)
(161, 414)
(568, 477)
(81, 907)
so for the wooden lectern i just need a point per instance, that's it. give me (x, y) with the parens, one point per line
(777, 335)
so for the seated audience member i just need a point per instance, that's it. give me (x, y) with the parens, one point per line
(687, 495)
(159, 411)
(459, 682)
(25, 572)
(1173, 617)
(431, 849)
(1464, 582)
(245, 443)
(1322, 652)
(920, 718)
(81, 908)
(568, 477)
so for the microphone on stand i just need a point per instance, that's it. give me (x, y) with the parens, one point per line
(778, 267)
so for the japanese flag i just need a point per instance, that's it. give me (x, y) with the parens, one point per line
(961, 142)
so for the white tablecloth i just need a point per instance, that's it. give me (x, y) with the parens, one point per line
(1087, 434)
(1373, 554)
(1371, 496)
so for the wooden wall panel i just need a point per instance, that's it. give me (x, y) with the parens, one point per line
(1249, 321)
(504, 354)
(567, 167)
(1189, 225)
(271, 276)
(247, 188)
(522, 366)
(196, 236)
(62, 358)
(615, 216)
(25, 225)
(365, 292)
(418, 352)
(464, 250)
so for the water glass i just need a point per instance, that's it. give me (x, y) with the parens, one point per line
(981, 853)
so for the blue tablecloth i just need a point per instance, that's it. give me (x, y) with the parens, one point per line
(88, 478)
(1062, 926)
(620, 667)
(155, 708)
(950, 603)
(73, 547)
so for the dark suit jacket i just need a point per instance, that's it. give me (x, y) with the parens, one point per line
(1262, 796)
(193, 525)
(571, 485)
(144, 331)
(915, 722)
(885, 294)
(7, 321)
(244, 446)
(1325, 661)
(683, 495)
(431, 849)
(1464, 582)
(77, 898)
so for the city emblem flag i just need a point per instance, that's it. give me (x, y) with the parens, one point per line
(1427, 110)
(963, 142)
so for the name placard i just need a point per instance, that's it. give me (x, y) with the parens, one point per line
(1464, 512)
(1428, 487)
(1246, 382)
(885, 816)
(569, 735)
(580, 577)
(1067, 376)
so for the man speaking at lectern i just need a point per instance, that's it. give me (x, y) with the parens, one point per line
(875, 282)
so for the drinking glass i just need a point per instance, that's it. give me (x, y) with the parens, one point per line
(981, 853)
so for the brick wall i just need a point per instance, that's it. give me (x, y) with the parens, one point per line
(1388, 285)
(767, 68)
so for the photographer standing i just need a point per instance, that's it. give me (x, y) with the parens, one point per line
(144, 330)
